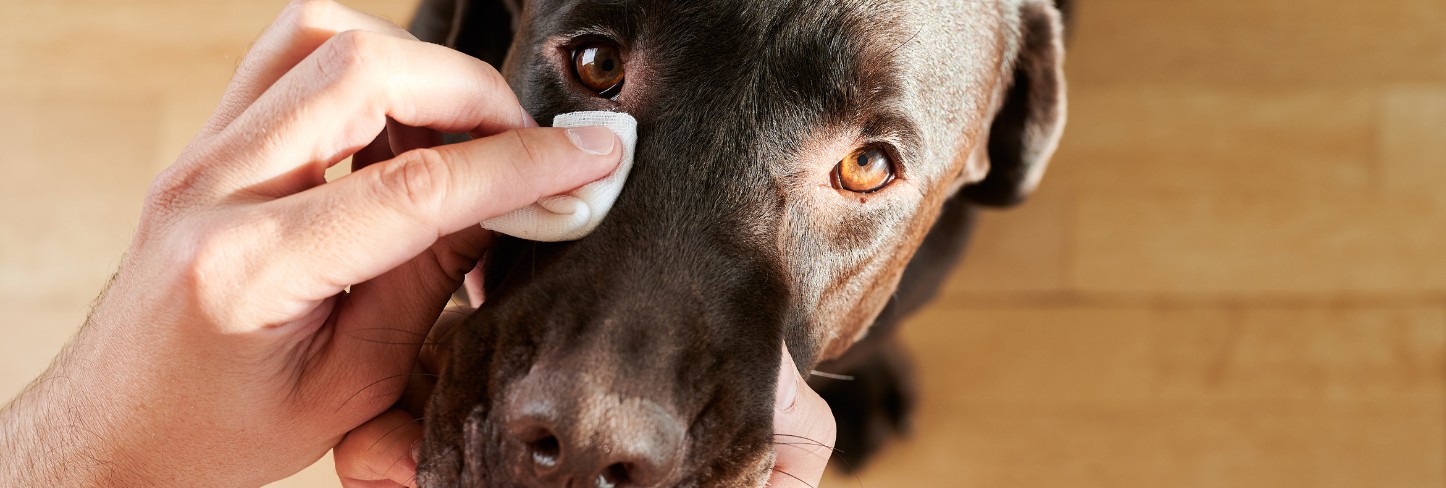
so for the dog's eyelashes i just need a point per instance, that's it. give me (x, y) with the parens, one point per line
(866, 170)
(599, 67)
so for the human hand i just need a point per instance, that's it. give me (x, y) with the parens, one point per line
(226, 351)
(382, 453)
(804, 430)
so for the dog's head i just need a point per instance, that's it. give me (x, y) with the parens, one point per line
(792, 155)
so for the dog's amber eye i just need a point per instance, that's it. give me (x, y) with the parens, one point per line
(865, 170)
(599, 67)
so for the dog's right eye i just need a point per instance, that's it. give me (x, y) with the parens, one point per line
(599, 67)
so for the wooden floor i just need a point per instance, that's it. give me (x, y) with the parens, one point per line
(1233, 276)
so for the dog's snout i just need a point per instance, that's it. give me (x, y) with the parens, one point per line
(564, 437)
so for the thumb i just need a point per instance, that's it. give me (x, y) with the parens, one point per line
(379, 454)
(803, 430)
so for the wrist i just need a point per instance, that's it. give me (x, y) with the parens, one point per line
(57, 435)
(53, 441)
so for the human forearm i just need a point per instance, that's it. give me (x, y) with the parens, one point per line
(52, 437)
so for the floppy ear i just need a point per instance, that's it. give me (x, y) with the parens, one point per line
(482, 28)
(1027, 128)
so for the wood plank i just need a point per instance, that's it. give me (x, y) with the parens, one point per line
(1024, 249)
(1204, 140)
(1413, 142)
(1255, 43)
(152, 44)
(1192, 397)
(1239, 244)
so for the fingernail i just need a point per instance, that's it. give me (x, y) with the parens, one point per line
(416, 451)
(593, 140)
(788, 380)
(527, 121)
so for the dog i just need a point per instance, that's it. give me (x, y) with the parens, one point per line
(807, 171)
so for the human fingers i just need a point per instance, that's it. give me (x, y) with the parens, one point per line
(340, 97)
(380, 453)
(358, 227)
(472, 284)
(388, 320)
(366, 468)
(804, 431)
(379, 150)
(434, 353)
(302, 26)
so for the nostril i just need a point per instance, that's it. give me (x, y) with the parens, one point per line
(555, 439)
(614, 476)
(545, 451)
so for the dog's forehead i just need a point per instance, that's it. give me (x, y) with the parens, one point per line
(957, 57)
(935, 63)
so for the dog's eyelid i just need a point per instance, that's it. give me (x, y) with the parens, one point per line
(893, 129)
(889, 144)
(571, 40)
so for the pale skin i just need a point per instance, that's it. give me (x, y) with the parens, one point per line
(225, 352)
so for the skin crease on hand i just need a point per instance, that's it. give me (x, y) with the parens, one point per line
(262, 313)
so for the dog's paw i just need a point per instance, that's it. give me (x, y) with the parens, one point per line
(873, 407)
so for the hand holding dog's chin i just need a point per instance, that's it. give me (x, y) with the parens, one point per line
(226, 352)
(380, 453)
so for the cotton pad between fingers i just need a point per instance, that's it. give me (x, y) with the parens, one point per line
(576, 214)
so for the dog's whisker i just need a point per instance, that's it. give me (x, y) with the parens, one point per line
(815, 441)
(394, 329)
(360, 337)
(393, 343)
(832, 376)
(790, 475)
(825, 455)
(375, 383)
(905, 43)
(812, 452)
(810, 442)
(394, 429)
(849, 466)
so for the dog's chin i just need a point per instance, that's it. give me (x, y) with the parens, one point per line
(755, 474)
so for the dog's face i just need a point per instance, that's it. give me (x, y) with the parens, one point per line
(791, 156)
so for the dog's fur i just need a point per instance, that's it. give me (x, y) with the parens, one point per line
(729, 239)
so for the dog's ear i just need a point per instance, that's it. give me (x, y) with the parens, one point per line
(482, 28)
(1027, 127)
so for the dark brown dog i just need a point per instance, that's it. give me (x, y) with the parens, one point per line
(793, 156)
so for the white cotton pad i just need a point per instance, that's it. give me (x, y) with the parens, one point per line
(574, 215)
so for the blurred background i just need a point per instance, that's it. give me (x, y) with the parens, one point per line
(1233, 275)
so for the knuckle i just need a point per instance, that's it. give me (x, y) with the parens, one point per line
(169, 192)
(418, 179)
(200, 255)
(489, 80)
(348, 54)
(301, 14)
(213, 255)
(302, 20)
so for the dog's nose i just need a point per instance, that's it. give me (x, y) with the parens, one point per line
(602, 441)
